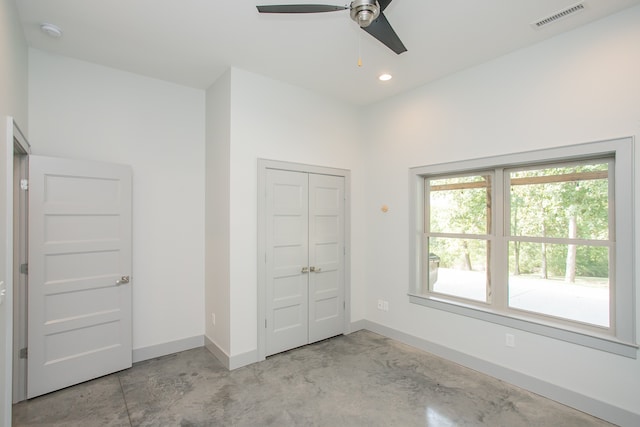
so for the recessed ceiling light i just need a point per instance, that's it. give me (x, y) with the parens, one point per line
(51, 30)
(385, 77)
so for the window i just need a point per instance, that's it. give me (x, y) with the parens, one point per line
(559, 243)
(539, 241)
(458, 226)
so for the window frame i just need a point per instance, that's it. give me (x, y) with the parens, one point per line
(619, 340)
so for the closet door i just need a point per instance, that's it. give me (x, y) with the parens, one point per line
(326, 256)
(304, 258)
(287, 247)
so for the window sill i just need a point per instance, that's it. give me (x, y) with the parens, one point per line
(598, 342)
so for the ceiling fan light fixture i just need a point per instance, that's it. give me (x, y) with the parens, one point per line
(364, 12)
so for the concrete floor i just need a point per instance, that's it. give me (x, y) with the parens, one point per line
(361, 379)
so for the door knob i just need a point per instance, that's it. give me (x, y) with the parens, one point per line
(122, 281)
(305, 270)
(315, 269)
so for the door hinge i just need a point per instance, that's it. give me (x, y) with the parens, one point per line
(24, 268)
(24, 353)
(344, 305)
(265, 323)
(24, 184)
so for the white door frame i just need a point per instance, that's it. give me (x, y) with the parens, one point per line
(20, 278)
(263, 166)
(13, 143)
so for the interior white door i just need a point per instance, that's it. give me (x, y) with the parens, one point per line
(304, 258)
(287, 242)
(326, 256)
(79, 271)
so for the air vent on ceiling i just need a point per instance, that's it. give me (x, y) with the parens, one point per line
(558, 15)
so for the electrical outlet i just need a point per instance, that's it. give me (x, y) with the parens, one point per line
(510, 340)
(380, 304)
(385, 305)
(213, 319)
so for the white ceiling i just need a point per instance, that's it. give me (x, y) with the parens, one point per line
(192, 42)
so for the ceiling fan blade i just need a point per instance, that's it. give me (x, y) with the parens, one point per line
(383, 4)
(299, 8)
(381, 29)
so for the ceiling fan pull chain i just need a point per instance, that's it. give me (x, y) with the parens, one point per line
(359, 49)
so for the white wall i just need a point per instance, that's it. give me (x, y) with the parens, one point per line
(217, 199)
(81, 110)
(13, 65)
(13, 102)
(273, 120)
(579, 87)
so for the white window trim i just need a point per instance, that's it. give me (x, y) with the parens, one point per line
(624, 340)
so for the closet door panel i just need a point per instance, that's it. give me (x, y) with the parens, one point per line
(326, 256)
(287, 213)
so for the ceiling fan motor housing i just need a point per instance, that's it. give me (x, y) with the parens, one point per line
(364, 12)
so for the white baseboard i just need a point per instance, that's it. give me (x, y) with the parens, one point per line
(583, 403)
(153, 351)
(358, 325)
(230, 362)
(244, 359)
(216, 351)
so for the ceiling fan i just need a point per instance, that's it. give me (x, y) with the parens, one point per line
(367, 13)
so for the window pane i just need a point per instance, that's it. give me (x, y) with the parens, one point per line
(457, 267)
(563, 202)
(460, 204)
(566, 281)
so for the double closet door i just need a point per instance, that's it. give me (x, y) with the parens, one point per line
(305, 252)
